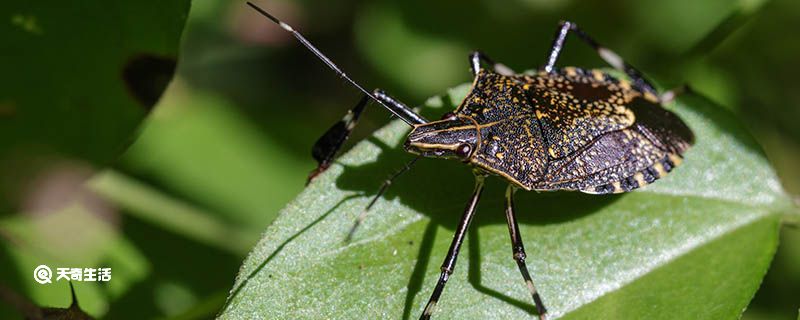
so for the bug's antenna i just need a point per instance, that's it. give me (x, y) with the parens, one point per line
(410, 119)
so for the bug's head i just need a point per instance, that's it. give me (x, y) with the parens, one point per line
(453, 137)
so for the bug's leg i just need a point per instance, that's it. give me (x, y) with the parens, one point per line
(518, 250)
(609, 56)
(328, 145)
(476, 57)
(458, 238)
(384, 186)
(673, 93)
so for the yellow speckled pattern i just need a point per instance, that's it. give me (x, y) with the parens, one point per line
(573, 129)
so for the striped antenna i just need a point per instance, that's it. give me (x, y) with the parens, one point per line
(410, 119)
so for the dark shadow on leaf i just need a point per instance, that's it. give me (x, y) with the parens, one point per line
(474, 274)
(417, 278)
(278, 250)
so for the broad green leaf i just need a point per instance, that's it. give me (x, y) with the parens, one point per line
(78, 77)
(694, 245)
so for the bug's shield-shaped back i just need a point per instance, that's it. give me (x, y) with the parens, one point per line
(573, 130)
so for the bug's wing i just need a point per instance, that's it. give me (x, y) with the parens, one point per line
(626, 159)
(576, 107)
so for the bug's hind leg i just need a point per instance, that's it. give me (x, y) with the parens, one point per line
(455, 246)
(519, 251)
(609, 56)
(477, 57)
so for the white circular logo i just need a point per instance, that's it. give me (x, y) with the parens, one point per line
(42, 274)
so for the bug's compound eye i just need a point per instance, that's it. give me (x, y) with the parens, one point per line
(463, 150)
(449, 116)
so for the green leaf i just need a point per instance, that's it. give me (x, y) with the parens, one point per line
(77, 80)
(695, 244)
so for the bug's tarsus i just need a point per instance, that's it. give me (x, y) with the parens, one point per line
(475, 59)
(518, 250)
(384, 186)
(405, 116)
(455, 246)
(607, 55)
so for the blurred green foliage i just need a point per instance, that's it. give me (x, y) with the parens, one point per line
(228, 144)
(77, 88)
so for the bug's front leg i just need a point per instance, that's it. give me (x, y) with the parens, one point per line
(455, 246)
(328, 145)
(518, 250)
(612, 58)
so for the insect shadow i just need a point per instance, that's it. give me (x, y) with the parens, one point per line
(439, 189)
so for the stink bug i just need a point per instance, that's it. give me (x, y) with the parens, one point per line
(554, 129)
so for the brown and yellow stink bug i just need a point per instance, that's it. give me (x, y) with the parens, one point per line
(555, 129)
